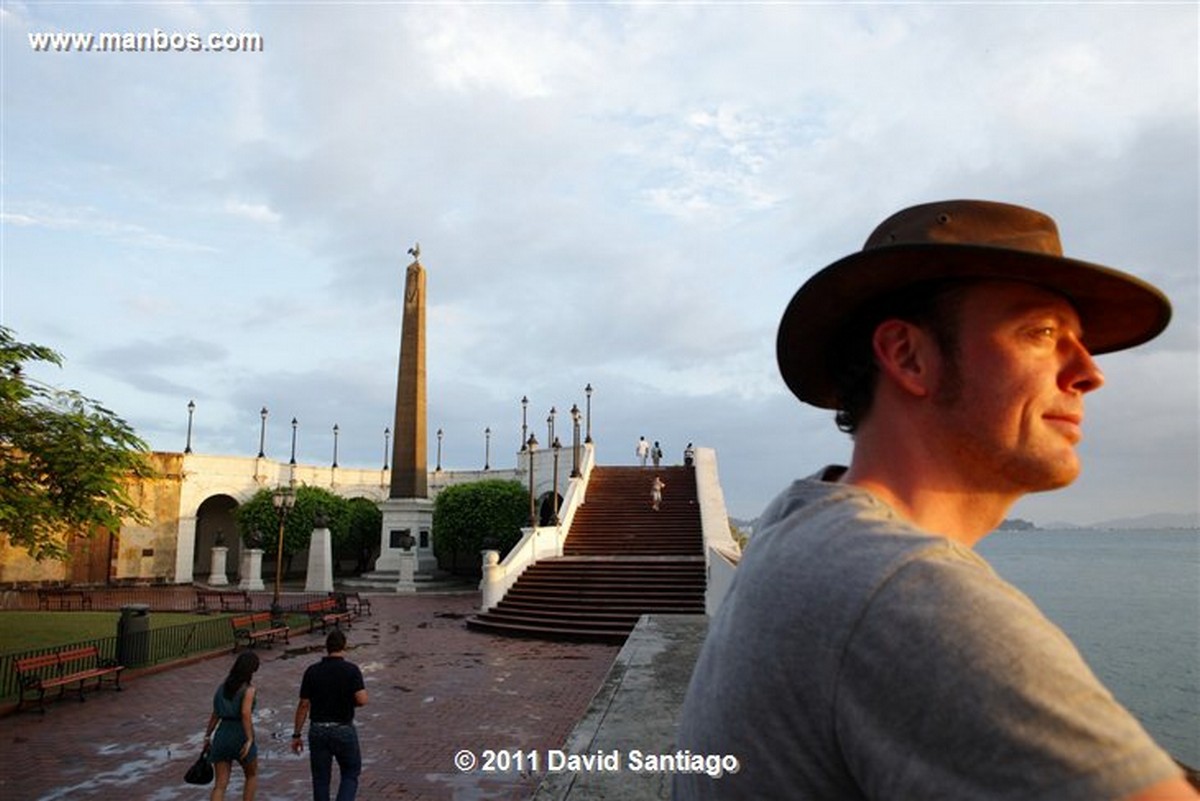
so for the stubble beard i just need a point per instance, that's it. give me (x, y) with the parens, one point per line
(1000, 469)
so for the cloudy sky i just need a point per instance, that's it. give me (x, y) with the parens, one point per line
(621, 195)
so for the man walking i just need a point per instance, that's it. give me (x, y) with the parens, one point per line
(330, 691)
(865, 651)
(642, 450)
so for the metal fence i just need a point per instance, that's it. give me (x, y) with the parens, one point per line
(134, 649)
(172, 598)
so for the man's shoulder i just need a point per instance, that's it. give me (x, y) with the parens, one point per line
(821, 506)
(824, 537)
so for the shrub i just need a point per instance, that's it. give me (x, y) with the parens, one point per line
(258, 514)
(362, 539)
(469, 517)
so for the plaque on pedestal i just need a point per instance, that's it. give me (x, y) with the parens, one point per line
(406, 520)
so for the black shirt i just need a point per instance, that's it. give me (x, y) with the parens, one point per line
(329, 686)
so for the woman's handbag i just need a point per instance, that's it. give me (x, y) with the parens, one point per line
(201, 771)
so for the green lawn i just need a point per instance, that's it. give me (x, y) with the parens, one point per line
(20, 631)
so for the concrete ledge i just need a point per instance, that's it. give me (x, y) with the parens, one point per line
(637, 707)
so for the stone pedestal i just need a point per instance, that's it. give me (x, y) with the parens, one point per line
(320, 562)
(218, 578)
(408, 570)
(489, 585)
(412, 517)
(251, 569)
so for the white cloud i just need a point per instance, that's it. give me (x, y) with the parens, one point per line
(623, 195)
(256, 212)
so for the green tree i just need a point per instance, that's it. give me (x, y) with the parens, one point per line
(468, 517)
(66, 462)
(258, 515)
(365, 523)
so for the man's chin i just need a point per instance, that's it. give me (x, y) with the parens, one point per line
(1056, 479)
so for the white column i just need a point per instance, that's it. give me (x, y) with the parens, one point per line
(185, 550)
(489, 586)
(217, 578)
(407, 562)
(320, 562)
(251, 569)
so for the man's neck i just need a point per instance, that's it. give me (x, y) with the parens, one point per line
(926, 491)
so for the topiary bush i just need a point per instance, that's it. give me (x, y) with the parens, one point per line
(258, 514)
(469, 517)
(362, 540)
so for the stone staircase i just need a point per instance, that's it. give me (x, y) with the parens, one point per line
(621, 560)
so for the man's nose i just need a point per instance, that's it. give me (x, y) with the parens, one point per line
(1081, 373)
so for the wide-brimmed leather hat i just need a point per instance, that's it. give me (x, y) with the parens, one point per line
(957, 239)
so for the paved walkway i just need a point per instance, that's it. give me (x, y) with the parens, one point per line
(435, 689)
(635, 715)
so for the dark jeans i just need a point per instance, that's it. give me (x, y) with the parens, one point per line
(325, 744)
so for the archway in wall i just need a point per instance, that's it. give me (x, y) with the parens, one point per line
(215, 519)
(546, 508)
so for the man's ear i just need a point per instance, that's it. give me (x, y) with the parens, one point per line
(905, 354)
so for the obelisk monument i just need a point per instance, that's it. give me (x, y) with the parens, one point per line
(409, 473)
(406, 543)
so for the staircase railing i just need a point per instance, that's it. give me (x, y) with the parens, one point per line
(721, 551)
(539, 542)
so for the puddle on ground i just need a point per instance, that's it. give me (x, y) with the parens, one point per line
(292, 653)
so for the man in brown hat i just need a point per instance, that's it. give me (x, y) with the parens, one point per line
(956, 349)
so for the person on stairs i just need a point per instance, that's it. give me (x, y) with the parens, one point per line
(656, 488)
(643, 450)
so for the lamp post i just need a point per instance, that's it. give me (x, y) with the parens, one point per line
(294, 424)
(554, 490)
(335, 443)
(191, 410)
(387, 439)
(487, 448)
(439, 459)
(550, 425)
(574, 441)
(588, 391)
(524, 428)
(283, 500)
(531, 445)
(262, 433)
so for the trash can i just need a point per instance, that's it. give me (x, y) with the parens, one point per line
(133, 635)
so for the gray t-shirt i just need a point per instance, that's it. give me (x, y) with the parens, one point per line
(859, 657)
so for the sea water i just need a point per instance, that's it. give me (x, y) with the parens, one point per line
(1130, 600)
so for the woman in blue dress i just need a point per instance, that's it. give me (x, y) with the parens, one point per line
(233, 706)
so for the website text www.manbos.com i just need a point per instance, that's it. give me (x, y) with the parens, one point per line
(155, 41)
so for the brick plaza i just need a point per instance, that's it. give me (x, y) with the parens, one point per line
(435, 688)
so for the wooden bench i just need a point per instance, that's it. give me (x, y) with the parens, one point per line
(61, 669)
(64, 598)
(208, 600)
(326, 613)
(352, 602)
(250, 629)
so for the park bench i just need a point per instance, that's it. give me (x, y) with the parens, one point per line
(228, 600)
(326, 613)
(76, 665)
(63, 598)
(253, 628)
(352, 602)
